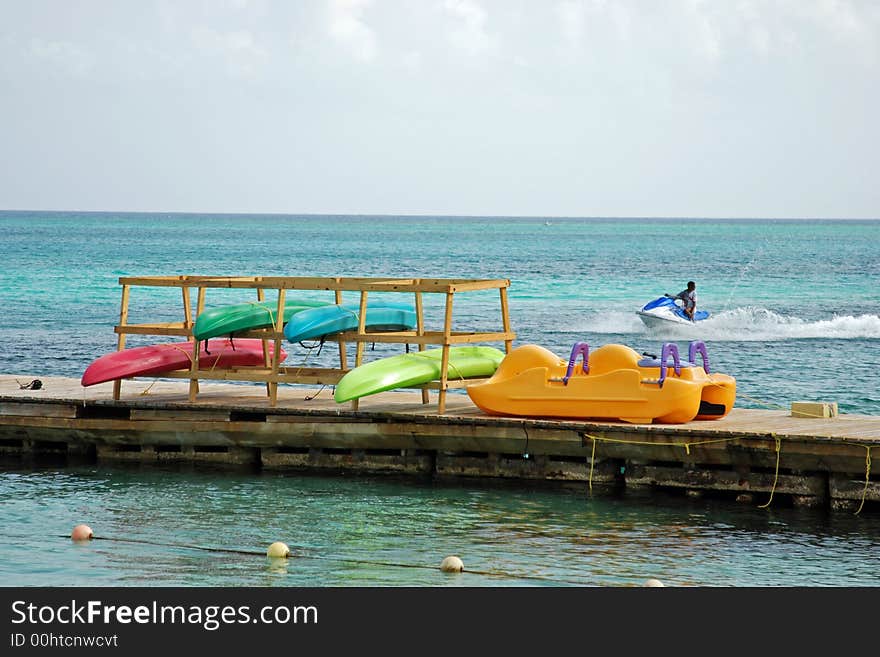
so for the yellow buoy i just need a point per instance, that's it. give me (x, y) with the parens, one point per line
(81, 533)
(451, 565)
(278, 550)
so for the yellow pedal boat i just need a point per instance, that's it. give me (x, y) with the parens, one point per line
(613, 383)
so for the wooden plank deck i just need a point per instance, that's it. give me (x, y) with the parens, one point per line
(820, 460)
(863, 429)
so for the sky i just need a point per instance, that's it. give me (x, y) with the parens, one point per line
(584, 108)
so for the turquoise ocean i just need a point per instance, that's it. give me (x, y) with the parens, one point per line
(795, 316)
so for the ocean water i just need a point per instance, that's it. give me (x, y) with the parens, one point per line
(795, 316)
(185, 526)
(795, 304)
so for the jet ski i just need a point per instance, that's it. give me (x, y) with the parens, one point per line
(664, 312)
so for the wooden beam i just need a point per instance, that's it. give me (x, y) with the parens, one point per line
(163, 328)
(261, 296)
(276, 356)
(505, 319)
(429, 338)
(343, 354)
(120, 341)
(444, 360)
(420, 331)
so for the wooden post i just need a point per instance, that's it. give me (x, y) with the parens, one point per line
(444, 362)
(505, 318)
(261, 296)
(343, 356)
(420, 330)
(359, 352)
(120, 341)
(362, 323)
(187, 308)
(276, 357)
(200, 308)
(188, 324)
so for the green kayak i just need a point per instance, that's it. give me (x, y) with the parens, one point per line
(416, 368)
(227, 320)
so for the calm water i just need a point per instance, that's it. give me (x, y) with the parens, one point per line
(796, 315)
(387, 532)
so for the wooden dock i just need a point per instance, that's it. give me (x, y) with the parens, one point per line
(753, 456)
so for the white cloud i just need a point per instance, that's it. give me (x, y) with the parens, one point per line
(571, 15)
(63, 55)
(470, 35)
(244, 57)
(707, 32)
(412, 61)
(348, 28)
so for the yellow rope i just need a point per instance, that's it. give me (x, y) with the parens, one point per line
(686, 444)
(782, 408)
(146, 391)
(761, 401)
(262, 305)
(192, 358)
(867, 476)
(776, 475)
(457, 372)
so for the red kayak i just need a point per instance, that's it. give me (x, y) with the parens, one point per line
(155, 359)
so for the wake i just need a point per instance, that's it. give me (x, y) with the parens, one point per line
(748, 324)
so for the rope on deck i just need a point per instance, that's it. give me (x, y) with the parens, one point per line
(761, 402)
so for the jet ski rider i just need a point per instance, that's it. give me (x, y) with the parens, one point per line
(688, 298)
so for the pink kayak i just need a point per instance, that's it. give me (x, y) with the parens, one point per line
(155, 359)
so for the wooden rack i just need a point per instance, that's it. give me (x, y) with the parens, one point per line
(272, 373)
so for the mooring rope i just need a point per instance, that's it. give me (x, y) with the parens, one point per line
(867, 476)
(779, 407)
(685, 444)
(776, 474)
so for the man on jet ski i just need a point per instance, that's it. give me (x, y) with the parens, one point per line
(688, 298)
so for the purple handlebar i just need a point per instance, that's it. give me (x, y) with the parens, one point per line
(579, 348)
(695, 348)
(669, 348)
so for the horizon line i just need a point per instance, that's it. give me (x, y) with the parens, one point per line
(459, 216)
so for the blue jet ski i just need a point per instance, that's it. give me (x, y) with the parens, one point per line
(664, 312)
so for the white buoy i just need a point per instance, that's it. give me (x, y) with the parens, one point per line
(81, 533)
(452, 565)
(653, 582)
(278, 550)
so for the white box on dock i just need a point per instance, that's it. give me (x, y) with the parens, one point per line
(813, 409)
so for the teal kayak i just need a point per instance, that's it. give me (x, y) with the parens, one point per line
(227, 320)
(416, 368)
(317, 323)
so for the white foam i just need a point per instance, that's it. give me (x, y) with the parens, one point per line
(749, 323)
